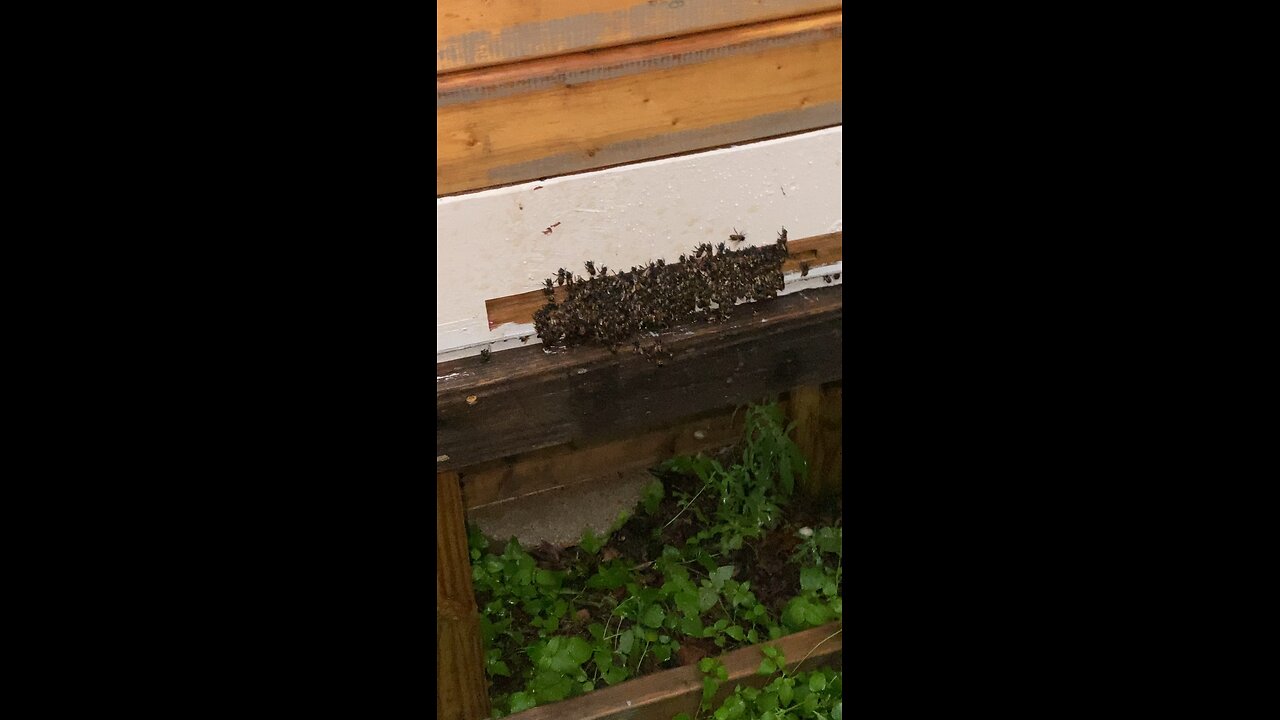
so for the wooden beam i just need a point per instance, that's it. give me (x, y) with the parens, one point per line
(519, 308)
(514, 477)
(526, 399)
(662, 695)
(461, 689)
(471, 34)
(817, 414)
(566, 114)
(804, 412)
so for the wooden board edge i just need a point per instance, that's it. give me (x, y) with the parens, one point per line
(661, 695)
(580, 67)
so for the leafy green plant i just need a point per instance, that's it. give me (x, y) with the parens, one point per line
(553, 634)
(819, 601)
(654, 492)
(816, 694)
(590, 542)
(751, 491)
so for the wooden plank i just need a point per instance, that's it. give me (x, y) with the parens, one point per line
(817, 414)
(662, 695)
(591, 110)
(829, 455)
(580, 68)
(494, 243)
(804, 412)
(461, 689)
(526, 399)
(519, 308)
(472, 34)
(513, 477)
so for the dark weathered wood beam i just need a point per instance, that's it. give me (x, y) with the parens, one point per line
(525, 399)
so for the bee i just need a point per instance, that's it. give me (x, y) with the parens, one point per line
(484, 355)
(720, 249)
(804, 269)
(560, 276)
(737, 236)
(782, 236)
(524, 339)
(591, 268)
(549, 288)
(826, 279)
(836, 276)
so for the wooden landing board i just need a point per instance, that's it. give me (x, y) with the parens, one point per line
(472, 34)
(663, 695)
(519, 308)
(526, 399)
(567, 114)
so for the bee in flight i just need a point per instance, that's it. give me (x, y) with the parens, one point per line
(737, 236)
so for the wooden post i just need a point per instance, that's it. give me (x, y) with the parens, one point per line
(817, 414)
(461, 691)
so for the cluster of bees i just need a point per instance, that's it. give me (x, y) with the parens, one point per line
(620, 309)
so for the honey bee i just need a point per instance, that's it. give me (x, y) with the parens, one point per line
(804, 269)
(484, 355)
(737, 236)
(591, 268)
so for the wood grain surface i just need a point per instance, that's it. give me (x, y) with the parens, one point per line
(525, 399)
(818, 414)
(514, 477)
(462, 692)
(475, 33)
(582, 111)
